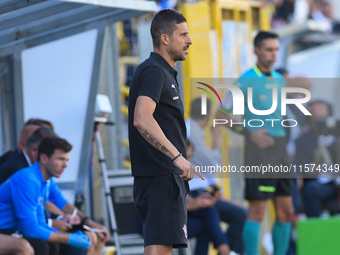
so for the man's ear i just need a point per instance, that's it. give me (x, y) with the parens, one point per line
(43, 158)
(165, 39)
(257, 50)
(34, 151)
(208, 116)
(21, 145)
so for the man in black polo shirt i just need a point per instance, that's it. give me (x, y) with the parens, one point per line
(157, 135)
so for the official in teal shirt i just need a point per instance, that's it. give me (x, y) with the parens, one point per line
(265, 146)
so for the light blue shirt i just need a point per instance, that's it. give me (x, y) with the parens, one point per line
(262, 100)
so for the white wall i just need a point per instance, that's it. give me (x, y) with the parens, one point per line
(322, 65)
(56, 85)
(336, 8)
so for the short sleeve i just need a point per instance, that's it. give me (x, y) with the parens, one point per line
(151, 83)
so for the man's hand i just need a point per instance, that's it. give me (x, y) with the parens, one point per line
(68, 219)
(79, 240)
(299, 183)
(261, 138)
(61, 225)
(205, 200)
(105, 236)
(216, 135)
(187, 169)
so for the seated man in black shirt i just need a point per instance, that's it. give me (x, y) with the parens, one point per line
(316, 191)
(25, 132)
(29, 127)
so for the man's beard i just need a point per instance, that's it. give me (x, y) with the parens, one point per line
(177, 55)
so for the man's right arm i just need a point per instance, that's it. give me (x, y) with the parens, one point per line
(260, 137)
(53, 208)
(149, 128)
(152, 133)
(204, 200)
(57, 237)
(78, 240)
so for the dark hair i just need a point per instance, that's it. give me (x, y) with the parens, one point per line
(195, 111)
(49, 144)
(282, 71)
(323, 101)
(164, 22)
(38, 135)
(189, 144)
(261, 36)
(39, 122)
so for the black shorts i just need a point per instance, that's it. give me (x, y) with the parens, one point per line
(268, 188)
(278, 184)
(160, 201)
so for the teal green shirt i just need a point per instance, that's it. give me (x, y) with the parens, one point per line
(262, 100)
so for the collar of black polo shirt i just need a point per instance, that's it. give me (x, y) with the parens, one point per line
(163, 63)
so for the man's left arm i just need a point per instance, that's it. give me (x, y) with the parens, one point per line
(58, 199)
(69, 209)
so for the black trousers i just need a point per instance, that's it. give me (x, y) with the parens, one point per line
(65, 249)
(39, 246)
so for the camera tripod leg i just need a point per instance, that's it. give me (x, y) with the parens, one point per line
(108, 194)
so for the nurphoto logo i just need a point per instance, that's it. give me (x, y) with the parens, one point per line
(237, 101)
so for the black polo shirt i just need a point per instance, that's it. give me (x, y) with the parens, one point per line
(156, 79)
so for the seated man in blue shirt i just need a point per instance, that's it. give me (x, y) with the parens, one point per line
(22, 199)
(54, 199)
